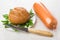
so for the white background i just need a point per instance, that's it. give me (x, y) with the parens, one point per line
(52, 5)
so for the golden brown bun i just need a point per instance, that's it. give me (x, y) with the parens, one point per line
(18, 15)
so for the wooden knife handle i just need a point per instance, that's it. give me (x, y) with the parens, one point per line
(40, 32)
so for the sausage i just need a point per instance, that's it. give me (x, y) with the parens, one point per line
(45, 15)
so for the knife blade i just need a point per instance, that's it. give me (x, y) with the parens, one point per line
(17, 27)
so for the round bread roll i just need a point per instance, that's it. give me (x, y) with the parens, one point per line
(18, 15)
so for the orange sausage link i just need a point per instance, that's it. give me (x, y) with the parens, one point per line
(44, 14)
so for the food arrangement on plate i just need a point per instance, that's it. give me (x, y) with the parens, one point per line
(19, 16)
(20, 19)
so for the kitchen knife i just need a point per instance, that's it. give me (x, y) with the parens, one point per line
(31, 30)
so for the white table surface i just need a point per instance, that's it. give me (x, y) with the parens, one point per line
(52, 5)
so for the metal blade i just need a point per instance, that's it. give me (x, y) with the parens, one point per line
(17, 27)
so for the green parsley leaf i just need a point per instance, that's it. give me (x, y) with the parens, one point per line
(5, 16)
(5, 22)
(31, 13)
